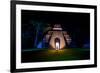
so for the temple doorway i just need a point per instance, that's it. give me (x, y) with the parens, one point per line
(57, 43)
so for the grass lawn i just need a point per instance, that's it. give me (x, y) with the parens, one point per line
(42, 55)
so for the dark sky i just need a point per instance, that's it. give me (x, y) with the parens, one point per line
(70, 20)
(77, 24)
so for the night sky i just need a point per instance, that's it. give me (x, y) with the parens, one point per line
(77, 25)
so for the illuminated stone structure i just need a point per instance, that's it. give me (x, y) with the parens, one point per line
(57, 38)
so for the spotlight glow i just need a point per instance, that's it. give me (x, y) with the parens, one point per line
(57, 46)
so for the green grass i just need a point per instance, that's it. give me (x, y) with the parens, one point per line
(55, 55)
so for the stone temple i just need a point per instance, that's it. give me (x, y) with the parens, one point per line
(57, 37)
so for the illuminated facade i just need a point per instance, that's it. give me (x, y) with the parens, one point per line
(57, 38)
